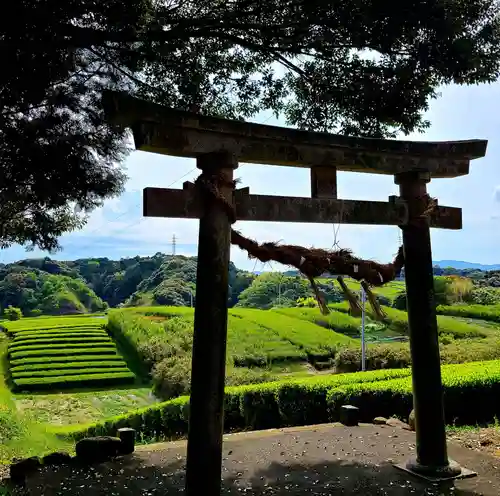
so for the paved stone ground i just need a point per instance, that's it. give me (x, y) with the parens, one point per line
(316, 460)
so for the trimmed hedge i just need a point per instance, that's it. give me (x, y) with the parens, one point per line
(246, 407)
(482, 312)
(398, 319)
(44, 360)
(68, 365)
(73, 381)
(55, 327)
(472, 394)
(65, 334)
(80, 355)
(337, 321)
(316, 341)
(55, 347)
(395, 355)
(66, 372)
(63, 351)
(74, 341)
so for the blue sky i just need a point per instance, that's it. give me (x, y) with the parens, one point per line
(119, 230)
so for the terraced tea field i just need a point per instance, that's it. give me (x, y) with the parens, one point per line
(45, 354)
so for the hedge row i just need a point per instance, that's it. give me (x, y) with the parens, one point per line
(50, 334)
(73, 381)
(316, 341)
(25, 343)
(32, 360)
(54, 327)
(69, 365)
(337, 321)
(395, 355)
(64, 351)
(472, 394)
(65, 372)
(62, 346)
(483, 312)
(398, 319)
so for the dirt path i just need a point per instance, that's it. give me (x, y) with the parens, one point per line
(318, 460)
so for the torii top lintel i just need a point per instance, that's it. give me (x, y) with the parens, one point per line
(159, 129)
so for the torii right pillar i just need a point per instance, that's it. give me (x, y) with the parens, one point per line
(432, 458)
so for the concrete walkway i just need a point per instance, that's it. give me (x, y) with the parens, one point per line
(315, 460)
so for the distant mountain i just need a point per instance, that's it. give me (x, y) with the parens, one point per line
(458, 264)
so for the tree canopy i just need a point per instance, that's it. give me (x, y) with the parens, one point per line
(366, 68)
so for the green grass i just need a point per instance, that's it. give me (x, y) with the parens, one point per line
(21, 435)
(83, 407)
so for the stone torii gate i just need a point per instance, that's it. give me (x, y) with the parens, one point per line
(218, 146)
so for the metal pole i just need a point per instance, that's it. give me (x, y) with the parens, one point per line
(206, 413)
(432, 456)
(363, 345)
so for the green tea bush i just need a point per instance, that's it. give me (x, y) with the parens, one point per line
(13, 313)
(24, 343)
(395, 355)
(74, 352)
(271, 404)
(84, 347)
(41, 359)
(68, 365)
(73, 381)
(250, 344)
(482, 312)
(398, 321)
(317, 342)
(65, 372)
(147, 343)
(471, 392)
(336, 321)
(485, 296)
(378, 356)
(49, 335)
(470, 350)
(172, 376)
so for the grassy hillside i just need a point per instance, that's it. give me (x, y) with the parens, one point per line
(62, 353)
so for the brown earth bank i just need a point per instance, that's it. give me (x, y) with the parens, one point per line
(316, 460)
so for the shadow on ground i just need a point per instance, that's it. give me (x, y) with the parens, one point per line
(131, 477)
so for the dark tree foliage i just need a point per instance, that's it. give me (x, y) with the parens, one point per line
(360, 67)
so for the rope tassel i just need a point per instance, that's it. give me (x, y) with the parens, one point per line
(320, 298)
(351, 298)
(377, 309)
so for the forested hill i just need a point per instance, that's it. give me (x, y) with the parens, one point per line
(49, 286)
(92, 284)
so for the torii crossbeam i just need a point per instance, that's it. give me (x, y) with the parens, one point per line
(218, 146)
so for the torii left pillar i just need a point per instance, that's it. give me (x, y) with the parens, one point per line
(206, 411)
